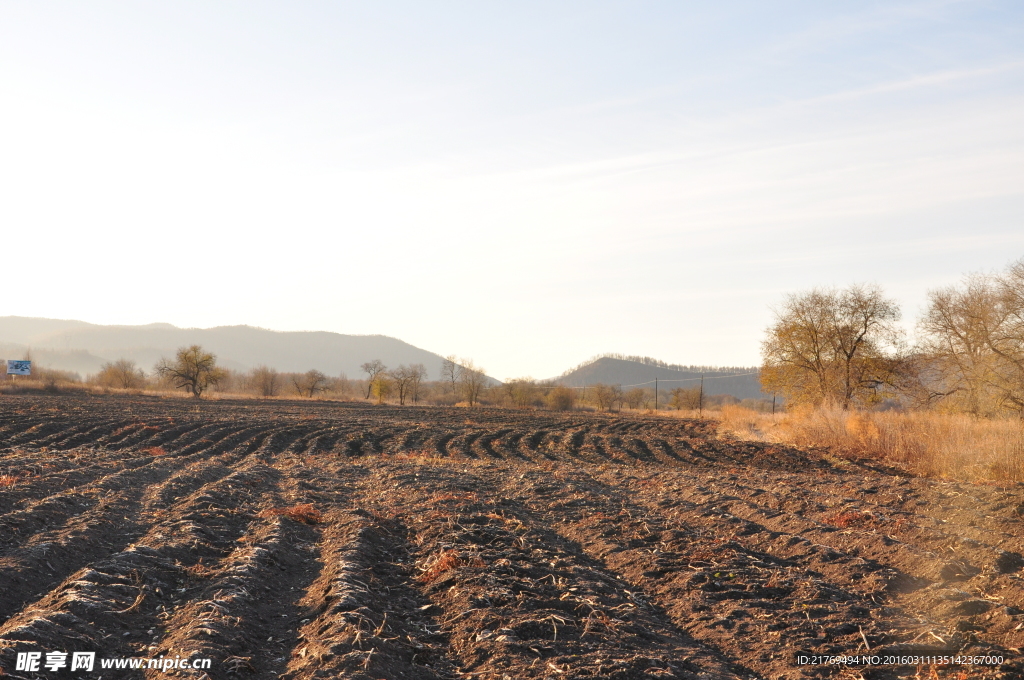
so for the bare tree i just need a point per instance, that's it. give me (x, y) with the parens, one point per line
(343, 386)
(419, 374)
(972, 344)
(372, 369)
(831, 345)
(402, 379)
(602, 395)
(407, 381)
(122, 373)
(521, 392)
(451, 374)
(193, 369)
(618, 398)
(685, 398)
(265, 381)
(636, 398)
(472, 380)
(309, 383)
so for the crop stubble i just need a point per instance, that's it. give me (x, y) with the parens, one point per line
(319, 540)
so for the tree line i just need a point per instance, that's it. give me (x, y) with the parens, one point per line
(847, 347)
(460, 381)
(657, 363)
(195, 370)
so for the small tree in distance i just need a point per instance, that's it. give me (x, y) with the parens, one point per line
(407, 381)
(381, 386)
(372, 369)
(637, 398)
(418, 375)
(122, 373)
(473, 380)
(193, 369)
(402, 378)
(603, 396)
(685, 398)
(521, 391)
(451, 373)
(265, 381)
(618, 398)
(309, 383)
(562, 398)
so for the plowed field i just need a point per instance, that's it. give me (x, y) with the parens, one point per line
(323, 540)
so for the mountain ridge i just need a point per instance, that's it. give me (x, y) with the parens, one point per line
(83, 347)
(739, 381)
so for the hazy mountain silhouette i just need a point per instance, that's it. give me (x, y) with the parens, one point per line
(83, 347)
(741, 382)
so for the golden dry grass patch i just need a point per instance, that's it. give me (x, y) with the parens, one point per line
(933, 444)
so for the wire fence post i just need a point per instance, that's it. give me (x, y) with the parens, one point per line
(700, 399)
(655, 394)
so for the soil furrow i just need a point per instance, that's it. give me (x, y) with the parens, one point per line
(916, 522)
(517, 602)
(114, 604)
(157, 436)
(85, 432)
(365, 621)
(451, 542)
(30, 485)
(247, 612)
(744, 603)
(973, 576)
(34, 432)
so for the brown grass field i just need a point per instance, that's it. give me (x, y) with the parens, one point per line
(930, 444)
(330, 540)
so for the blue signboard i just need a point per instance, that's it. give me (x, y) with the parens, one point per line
(19, 367)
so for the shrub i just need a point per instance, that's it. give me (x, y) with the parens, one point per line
(562, 398)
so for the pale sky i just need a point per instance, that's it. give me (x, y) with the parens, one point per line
(525, 184)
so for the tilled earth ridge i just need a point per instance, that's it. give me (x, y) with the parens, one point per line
(485, 543)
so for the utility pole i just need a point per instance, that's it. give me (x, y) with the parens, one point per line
(700, 399)
(655, 394)
(773, 403)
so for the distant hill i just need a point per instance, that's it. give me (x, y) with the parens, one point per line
(741, 382)
(84, 347)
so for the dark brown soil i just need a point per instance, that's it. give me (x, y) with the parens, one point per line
(331, 540)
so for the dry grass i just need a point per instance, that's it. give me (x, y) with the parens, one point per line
(460, 498)
(417, 454)
(304, 513)
(200, 570)
(932, 444)
(155, 451)
(445, 561)
(8, 480)
(449, 559)
(852, 519)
